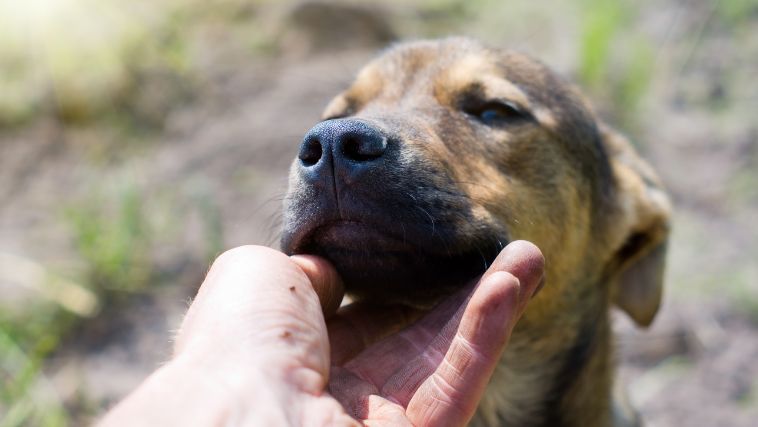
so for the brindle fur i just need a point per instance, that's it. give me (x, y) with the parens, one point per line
(561, 179)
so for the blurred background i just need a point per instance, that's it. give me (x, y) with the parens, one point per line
(140, 139)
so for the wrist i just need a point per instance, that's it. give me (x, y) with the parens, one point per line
(239, 392)
(226, 377)
(177, 394)
(242, 372)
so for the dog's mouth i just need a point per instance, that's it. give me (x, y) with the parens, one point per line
(380, 265)
(389, 217)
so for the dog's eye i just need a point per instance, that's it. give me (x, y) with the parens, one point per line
(495, 113)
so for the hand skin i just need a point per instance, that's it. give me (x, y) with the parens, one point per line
(255, 348)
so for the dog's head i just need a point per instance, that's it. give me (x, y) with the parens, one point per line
(442, 152)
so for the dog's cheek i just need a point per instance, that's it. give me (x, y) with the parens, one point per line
(545, 198)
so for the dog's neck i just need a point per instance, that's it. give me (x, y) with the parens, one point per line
(553, 374)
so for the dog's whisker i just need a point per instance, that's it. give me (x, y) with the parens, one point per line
(273, 227)
(484, 258)
(431, 218)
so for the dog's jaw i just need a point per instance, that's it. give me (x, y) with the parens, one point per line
(377, 265)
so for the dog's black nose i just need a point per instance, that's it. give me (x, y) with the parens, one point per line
(346, 145)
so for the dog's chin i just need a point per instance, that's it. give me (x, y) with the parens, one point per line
(382, 268)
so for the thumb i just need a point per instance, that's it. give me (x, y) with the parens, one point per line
(256, 303)
(325, 281)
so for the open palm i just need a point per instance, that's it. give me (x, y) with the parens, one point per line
(433, 372)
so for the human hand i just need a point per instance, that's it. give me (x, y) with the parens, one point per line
(254, 349)
(435, 371)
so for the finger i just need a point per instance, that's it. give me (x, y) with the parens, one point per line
(325, 281)
(383, 413)
(256, 303)
(362, 401)
(395, 367)
(521, 257)
(351, 391)
(382, 361)
(524, 260)
(360, 325)
(451, 394)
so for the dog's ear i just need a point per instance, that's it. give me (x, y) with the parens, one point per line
(639, 231)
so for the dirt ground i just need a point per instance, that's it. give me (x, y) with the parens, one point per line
(231, 145)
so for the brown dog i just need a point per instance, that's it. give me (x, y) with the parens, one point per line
(439, 154)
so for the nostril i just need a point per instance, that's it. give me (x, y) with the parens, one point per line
(310, 152)
(361, 148)
(351, 148)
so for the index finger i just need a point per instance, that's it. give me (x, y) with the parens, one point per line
(353, 329)
(450, 395)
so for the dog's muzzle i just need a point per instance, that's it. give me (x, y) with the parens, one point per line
(393, 226)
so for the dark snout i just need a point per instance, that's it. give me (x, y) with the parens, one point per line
(368, 196)
(341, 151)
